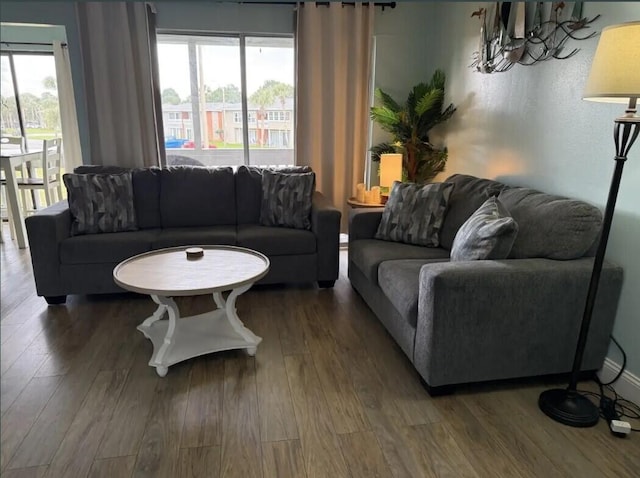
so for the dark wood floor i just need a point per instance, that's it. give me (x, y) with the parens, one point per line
(328, 394)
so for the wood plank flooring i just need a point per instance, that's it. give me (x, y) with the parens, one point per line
(328, 395)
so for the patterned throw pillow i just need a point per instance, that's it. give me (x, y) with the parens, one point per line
(414, 213)
(100, 203)
(488, 234)
(286, 199)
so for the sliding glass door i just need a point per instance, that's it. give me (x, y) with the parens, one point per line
(227, 100)
(35, 82)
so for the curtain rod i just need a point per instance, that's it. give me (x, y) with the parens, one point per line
(325, 4)
(375, 4)
(9, 43)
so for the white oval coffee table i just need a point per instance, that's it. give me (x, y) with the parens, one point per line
(167, 273)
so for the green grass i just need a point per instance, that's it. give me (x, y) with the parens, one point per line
(41, 133)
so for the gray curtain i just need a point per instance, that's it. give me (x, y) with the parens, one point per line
(117, 62)
(334, 47)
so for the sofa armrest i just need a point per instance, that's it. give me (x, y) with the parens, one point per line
(46, 230)
(488, 320)
(363, 223)
(325, 224)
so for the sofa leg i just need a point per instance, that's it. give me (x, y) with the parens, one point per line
(55, 299)
(326, 284)
(438, 391)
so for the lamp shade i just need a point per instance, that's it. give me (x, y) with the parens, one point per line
(615, 71)
(390, 169)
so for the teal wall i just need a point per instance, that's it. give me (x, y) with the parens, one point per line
(529, 126)
(225, 17)
(403, 54)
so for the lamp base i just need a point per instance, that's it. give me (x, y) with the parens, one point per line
(569, 408)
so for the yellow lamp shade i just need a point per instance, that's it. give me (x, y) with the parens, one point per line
(615, 71)
(390, 169)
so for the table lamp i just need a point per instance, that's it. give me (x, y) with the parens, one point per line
(614, 78)
(390, 171)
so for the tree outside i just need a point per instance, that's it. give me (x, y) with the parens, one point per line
(265, 96)
(170, 96)
(41, 114)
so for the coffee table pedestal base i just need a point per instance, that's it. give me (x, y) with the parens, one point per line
(176, 339)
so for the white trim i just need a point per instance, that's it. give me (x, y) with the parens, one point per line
(627, 386)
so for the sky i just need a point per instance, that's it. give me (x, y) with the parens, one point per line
(31, 70)
(221, 66)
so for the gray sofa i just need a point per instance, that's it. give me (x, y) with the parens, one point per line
(473, 321)
(175, 206)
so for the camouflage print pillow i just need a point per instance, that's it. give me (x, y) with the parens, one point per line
(414, 213)
(100, 203)
(286, 199)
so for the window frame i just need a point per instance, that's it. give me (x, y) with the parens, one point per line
(246, 116)
(9, 53)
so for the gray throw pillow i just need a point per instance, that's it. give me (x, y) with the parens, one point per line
(100, 203)
(488, 234)
(286, 199)
(414, 213)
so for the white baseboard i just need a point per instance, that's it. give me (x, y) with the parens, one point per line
(627, 386)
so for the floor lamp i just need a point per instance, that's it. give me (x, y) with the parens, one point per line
(614, 78)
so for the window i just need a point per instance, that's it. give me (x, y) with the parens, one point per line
(35, 75)
(278, 116)
(204, 76)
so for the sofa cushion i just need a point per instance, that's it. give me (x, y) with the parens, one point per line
(286, 199)
(551, 226)
(467, 196)
(488, 234)
(400, 283)
(276, 241)
(367, 254)
(100, 203)
(146, 191)
(193, 196)
(249, 190)
(195, 236)
(414, 213)
(106, 248)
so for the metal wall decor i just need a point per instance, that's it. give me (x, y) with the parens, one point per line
(527, 33)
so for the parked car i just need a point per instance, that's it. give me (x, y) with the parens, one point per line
(173, 142)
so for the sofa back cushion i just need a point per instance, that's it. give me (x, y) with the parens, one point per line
(249, 191)
(146, 191)
(469, 193)
(197, 196)
(550, 226)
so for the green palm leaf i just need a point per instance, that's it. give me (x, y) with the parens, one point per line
(410, 123)
(386, 100)
(431, 101)
(385, 117)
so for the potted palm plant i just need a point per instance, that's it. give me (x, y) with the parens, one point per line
(410, 123)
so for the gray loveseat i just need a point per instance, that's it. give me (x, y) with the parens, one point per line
(176, 206)
(473, 321)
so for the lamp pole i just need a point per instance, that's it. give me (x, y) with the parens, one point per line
(614, 78)
(567, 406)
